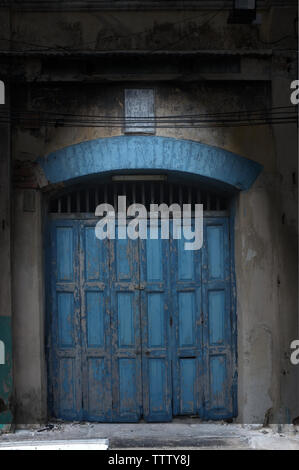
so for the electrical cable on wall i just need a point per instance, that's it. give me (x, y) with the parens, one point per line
(283, 115)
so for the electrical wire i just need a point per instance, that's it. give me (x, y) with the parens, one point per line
(145, 123)
(264, 111)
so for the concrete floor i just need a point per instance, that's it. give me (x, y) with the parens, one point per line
(180, 434)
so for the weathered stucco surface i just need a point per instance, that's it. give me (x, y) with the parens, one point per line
(265, 287)
(255, 142)
(28, 305)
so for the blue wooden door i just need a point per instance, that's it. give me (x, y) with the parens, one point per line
(203, 320)
(140, 328)
(94, 344)
(64, 340)
(125, 330)
(219, 326)
(95, 291)
(186, 286)
(155, 311)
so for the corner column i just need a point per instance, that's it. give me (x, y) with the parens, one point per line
(6, 383)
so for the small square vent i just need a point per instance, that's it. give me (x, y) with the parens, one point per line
(244, 12)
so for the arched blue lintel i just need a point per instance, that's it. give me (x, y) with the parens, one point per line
(148, 153)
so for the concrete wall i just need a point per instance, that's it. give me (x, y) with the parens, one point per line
(28, 305)
(266, 215)
(152, 29)
(267, 305)
(254, 142)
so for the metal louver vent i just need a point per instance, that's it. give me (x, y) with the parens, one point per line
(86, 200)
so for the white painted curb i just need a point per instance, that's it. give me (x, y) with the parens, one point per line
(87, 444)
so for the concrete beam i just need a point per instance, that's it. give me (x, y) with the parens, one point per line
(150, 153)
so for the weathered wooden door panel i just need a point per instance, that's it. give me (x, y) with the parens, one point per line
(155, 321)
(95, 325)
(65, 387)
(217, 310)
(125, 330)
(187, 330)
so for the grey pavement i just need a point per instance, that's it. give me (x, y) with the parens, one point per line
(179, 434)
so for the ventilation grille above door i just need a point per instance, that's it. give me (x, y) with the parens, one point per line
(85, 200)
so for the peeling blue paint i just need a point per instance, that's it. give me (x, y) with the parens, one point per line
(163, 349)
(149, 153)
(6, 372)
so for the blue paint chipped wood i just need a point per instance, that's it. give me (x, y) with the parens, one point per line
(140, 328)
(218, 329)
(156, 334)
(186, 288)
(149, 153)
